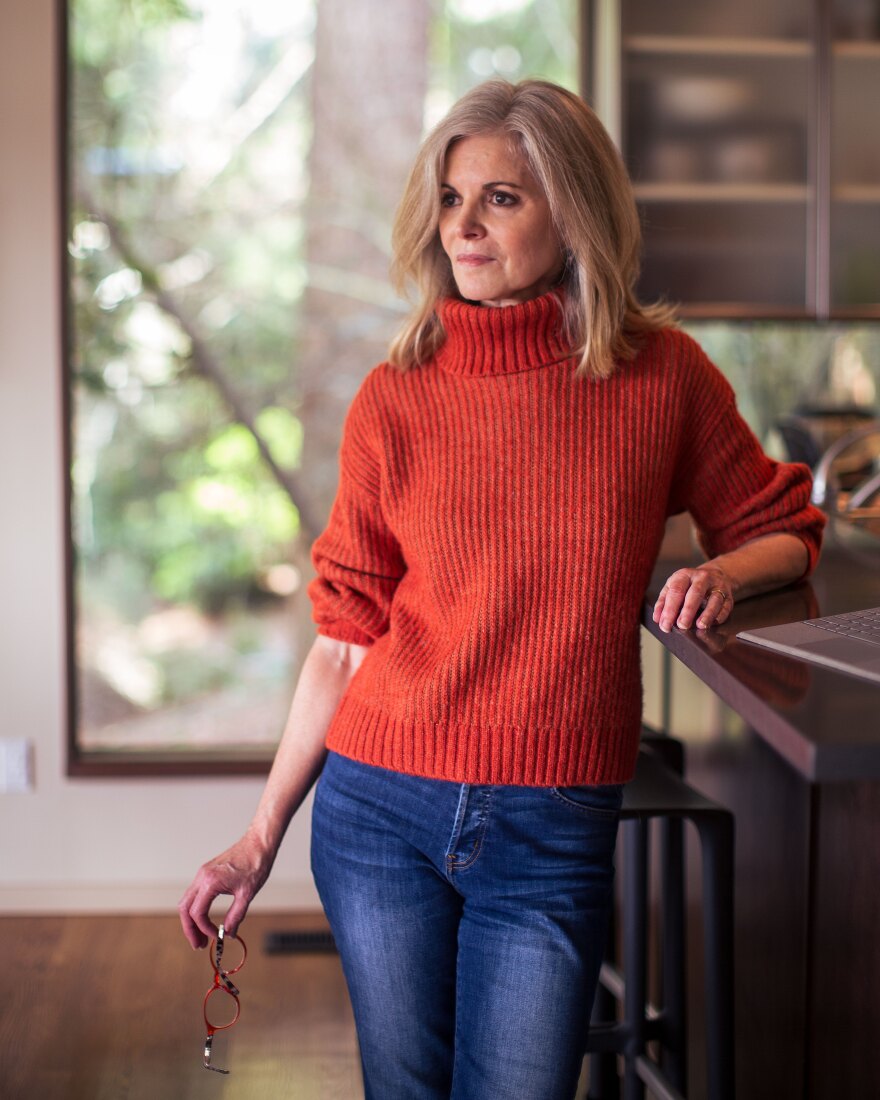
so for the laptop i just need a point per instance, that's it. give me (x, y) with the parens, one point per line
(847, 643)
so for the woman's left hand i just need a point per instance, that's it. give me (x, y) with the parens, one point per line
(704, 595)
(701, 596)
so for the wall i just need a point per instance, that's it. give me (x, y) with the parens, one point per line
(72, 844)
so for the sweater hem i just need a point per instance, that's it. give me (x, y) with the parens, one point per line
(532, 757)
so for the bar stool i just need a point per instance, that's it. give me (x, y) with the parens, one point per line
(658, 792)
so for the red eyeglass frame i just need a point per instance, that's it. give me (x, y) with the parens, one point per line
(224, 985)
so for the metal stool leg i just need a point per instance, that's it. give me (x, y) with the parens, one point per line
(717, 836)
(635, 951)
(673, 1059)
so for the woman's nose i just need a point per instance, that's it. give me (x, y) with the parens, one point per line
(469, 224)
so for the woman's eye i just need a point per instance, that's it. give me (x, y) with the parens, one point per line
(447, 198)
(502, 198)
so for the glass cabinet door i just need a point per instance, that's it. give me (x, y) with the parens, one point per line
(716, 129)
(854, 248)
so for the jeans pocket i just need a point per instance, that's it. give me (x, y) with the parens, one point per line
(601, 800)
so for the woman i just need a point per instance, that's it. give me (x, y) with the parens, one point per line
(504, 483)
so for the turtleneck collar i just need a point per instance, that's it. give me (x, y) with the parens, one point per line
(486, 340)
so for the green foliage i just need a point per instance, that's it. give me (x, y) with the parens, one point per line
(164, 482)
(477, 40)
(283, 432)
(776, 367)
(200, 515)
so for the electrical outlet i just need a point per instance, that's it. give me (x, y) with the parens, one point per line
(16, 765)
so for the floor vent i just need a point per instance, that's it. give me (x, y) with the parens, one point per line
(299, 942)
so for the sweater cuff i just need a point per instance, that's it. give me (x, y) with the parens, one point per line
(341, 631)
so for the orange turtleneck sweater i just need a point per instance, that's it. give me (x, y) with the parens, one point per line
(496, 525)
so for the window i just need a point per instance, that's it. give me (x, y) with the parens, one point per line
(232, 168)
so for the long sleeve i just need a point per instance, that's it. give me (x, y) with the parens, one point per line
(734, 492)
(357, 558)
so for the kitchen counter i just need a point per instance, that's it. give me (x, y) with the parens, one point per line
(826, 725)
(796, 756)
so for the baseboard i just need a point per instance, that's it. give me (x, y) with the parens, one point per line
(156, 897)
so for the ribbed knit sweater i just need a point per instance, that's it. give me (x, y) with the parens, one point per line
(495, 528)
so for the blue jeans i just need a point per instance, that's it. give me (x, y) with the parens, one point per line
(471, 922)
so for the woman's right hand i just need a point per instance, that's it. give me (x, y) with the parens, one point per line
(240, 871)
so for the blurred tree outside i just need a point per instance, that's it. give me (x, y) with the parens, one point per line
(233, 172)
(775, 367)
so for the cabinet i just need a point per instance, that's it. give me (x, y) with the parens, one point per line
(751, 129)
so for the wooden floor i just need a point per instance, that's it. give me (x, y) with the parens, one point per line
(110, 1008)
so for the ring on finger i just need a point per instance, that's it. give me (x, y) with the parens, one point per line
(721, 593)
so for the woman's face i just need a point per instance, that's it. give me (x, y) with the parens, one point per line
(495, 223)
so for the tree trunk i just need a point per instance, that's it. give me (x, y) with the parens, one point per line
(368, 92)
(368, 86)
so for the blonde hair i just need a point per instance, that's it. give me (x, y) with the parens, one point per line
(591, 202)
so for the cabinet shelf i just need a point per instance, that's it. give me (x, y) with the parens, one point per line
(702, 46)
(857, 50)
(748, 124)
(722, 192)
(856, 193)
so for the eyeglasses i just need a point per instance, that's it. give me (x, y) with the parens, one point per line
(221, 1012)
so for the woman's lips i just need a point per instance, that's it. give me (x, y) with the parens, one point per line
(472, 259)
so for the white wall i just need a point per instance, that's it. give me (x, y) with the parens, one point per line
(71, 844)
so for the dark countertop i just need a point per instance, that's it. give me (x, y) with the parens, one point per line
(825, 724)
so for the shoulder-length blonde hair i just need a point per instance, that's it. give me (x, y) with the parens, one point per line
(591, 202)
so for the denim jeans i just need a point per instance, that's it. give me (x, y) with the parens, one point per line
(471, 922)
